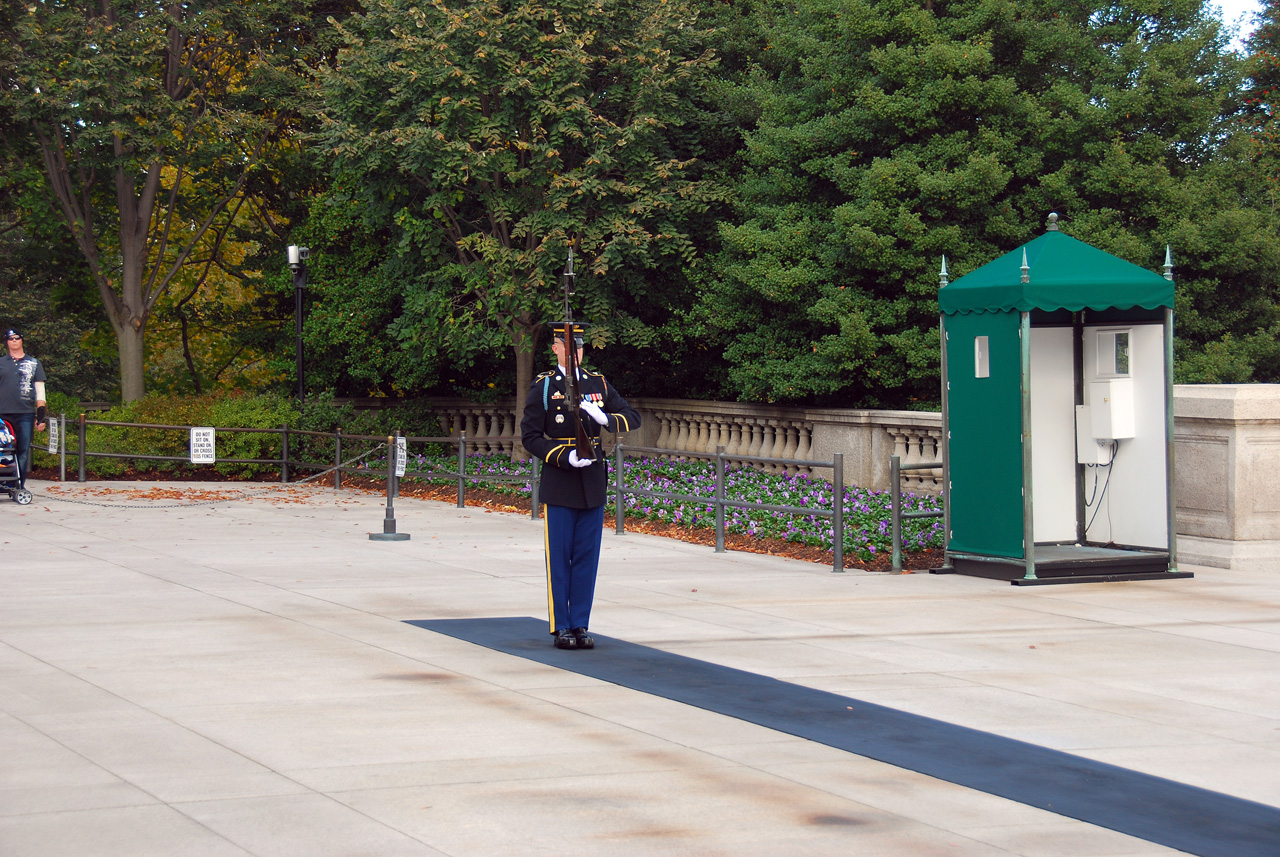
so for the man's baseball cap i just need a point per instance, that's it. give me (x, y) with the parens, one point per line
(11, 333)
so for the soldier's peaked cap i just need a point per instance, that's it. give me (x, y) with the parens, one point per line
(557, 330)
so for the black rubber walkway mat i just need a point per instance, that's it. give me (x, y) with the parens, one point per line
(1158, 810)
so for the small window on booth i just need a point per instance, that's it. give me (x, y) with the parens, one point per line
(981, 358)
(1113, 353)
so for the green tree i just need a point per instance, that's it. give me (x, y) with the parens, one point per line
(356, 287)
(43, 279)
(891, 132)
(155, 123)
(493, 135)
(1262, 114)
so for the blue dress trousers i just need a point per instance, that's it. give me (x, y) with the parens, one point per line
(574, 496)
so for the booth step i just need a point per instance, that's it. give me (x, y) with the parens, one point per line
(1102, 578)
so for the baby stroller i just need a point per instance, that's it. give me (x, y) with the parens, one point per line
(10, 472)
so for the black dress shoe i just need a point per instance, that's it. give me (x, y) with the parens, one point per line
(566, 640)
(583, 638)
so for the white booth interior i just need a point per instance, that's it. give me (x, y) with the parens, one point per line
(1118, 435)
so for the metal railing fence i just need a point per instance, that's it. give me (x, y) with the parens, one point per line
(462, 477)
(721, 502)
(895, 503)
(286, 461)
(459, 475)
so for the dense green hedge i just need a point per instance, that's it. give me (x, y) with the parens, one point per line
(225, 411)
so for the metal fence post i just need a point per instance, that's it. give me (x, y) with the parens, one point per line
(462, 470)
(719, 499)
(81, 450)
(284, 452)
(837, 511)
(619, 511)
(895, 509)
(337, 459)
(535, 488)
(62, 448)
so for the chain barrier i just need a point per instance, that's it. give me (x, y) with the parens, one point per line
(235, 495)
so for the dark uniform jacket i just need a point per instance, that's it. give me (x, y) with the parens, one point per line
(547, 431)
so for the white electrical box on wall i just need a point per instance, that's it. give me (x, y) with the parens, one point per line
(1111, 409)
(1089, 450)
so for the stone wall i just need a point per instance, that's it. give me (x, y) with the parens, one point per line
(1227, 474)
(867, 438)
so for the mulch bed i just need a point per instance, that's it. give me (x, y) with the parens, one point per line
(197, 474)
(483, 498)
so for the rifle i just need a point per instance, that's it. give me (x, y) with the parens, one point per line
(582, 443)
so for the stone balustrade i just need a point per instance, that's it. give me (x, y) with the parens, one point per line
(867, 438)
(490, 428)
(704, 432)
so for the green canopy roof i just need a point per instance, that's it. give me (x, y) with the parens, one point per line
(1064, 274)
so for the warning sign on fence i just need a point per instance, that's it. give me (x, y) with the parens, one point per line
(402, 455)
(202, 446)
(53, 436)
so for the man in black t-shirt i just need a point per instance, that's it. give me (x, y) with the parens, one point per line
(22, 398)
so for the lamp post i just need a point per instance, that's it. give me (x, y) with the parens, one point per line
(298, 263)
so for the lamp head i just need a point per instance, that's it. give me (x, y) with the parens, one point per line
(297, 256)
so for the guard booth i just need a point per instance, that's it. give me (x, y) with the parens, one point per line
(1058, 416)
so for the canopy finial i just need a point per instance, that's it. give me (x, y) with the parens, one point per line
(1026, 269)
(1168, 263)
(944, 278)
(1053, 222)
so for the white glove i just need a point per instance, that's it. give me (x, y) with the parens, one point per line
(578, 462)
(593, 411)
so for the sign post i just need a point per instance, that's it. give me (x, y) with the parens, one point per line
(395, 469)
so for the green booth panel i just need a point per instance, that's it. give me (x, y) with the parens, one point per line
(984, 422)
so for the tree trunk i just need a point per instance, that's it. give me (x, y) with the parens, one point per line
(523, 346)
(129, 342)
(130, 309)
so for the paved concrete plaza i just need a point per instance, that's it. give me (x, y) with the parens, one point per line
(241, 678)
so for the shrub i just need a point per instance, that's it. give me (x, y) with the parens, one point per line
(155, 410)
(413, 419)
(218, 410)
(268, 411)
(58, 404)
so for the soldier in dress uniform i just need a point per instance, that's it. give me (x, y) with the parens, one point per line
(574, 490)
